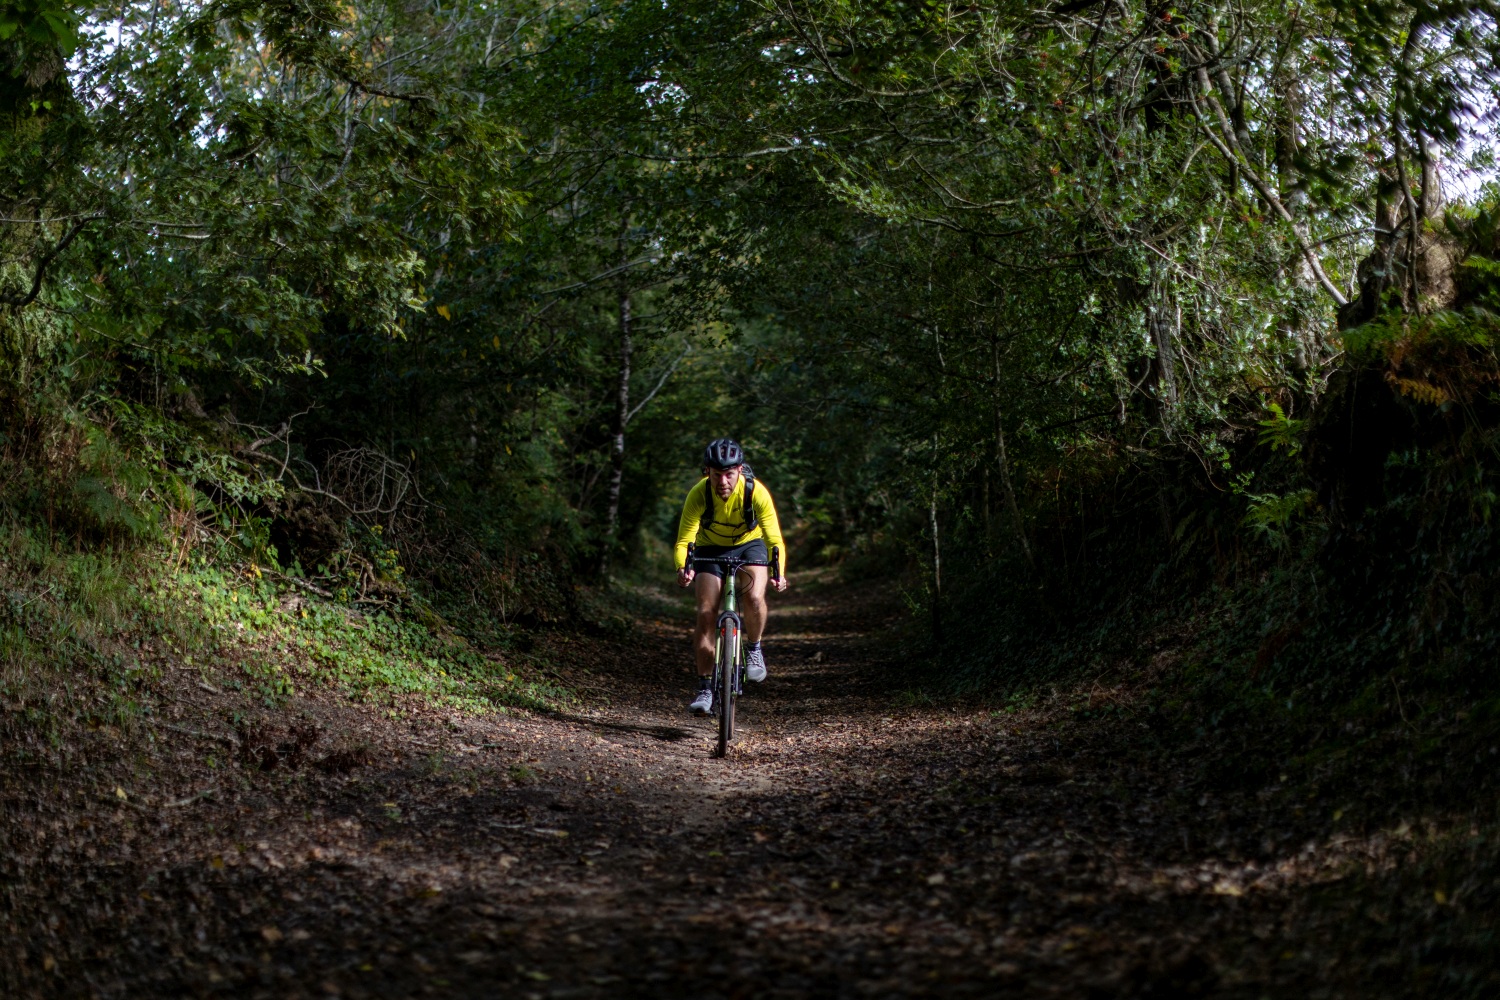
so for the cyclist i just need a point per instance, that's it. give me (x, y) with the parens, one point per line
(714, 516)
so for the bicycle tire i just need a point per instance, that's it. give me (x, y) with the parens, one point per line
(729, 645)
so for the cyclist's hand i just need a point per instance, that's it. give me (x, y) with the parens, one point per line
(781, 583)
(685, 577)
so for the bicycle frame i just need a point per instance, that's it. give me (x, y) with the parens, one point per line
(729, 628)
(729, 614)
(729, 619)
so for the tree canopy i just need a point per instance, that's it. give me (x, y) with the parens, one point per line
(939, 265)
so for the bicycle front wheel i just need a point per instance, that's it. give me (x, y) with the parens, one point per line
(729, 656)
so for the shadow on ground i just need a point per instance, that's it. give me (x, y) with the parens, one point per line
(846, 848)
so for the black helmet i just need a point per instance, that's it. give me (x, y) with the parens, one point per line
(723, 453)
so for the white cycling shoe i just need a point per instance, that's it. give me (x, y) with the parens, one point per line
(704, 703)
(755, 664)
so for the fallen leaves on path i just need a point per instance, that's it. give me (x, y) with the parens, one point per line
(844, 848)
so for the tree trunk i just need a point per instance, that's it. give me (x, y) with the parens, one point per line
(1288, 146)
(1411, 255)
(622, 418)
(989, 531)
(937, 558)
(1431, 201)
(1002, 462)
(1161, 319)
(1361, 419)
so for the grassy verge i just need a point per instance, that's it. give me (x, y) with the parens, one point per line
(282, 640)
(90, 635)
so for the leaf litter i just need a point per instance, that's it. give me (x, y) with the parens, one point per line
(845, 848)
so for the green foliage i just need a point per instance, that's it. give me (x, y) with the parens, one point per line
(99, 627)
(1280, 432)
(33, 34)
(39, 24)
(77, 632)
(278, 640)
(1271, 515)
(1392, 335)
(885, 267)
(431, 307)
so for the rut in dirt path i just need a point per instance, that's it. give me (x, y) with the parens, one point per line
(847, 847)
(826, 656)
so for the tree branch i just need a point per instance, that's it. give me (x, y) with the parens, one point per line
(1229, 147)
(18, 301)
(660, 382)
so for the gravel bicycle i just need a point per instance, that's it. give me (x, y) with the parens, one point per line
(729, 648)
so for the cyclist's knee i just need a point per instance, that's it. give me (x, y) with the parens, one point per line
(757, 584)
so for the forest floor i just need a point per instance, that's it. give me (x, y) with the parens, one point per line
(858, 841)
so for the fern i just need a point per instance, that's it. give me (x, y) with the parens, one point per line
(1280, 431)
(1271, 515)
(109, 511)
(1422, 392)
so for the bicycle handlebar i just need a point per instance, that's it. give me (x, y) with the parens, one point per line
(774, 564)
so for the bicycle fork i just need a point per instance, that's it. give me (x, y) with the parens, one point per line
(729, 626)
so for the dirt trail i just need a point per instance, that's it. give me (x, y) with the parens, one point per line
(847, 847)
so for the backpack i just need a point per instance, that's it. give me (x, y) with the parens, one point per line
(708, 502)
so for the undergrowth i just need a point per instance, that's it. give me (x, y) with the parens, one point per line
(280, 639)
(78, 637)
(89, 635)
(134, 545)
(1344, 581)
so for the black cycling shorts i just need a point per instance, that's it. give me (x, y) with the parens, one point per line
(750, 551)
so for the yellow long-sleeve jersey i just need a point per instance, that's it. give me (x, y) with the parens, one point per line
(728, 521)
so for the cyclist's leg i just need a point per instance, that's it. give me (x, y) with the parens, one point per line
(753, 600)
(708, 587)
(754, 582)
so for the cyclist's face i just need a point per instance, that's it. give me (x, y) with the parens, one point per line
(724, 481)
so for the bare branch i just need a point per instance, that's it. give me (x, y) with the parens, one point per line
(660, 382)
(1229, 147)
(602, 275)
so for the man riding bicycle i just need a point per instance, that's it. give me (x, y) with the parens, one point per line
(716, 517)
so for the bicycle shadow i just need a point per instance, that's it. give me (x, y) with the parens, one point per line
(664, 733)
